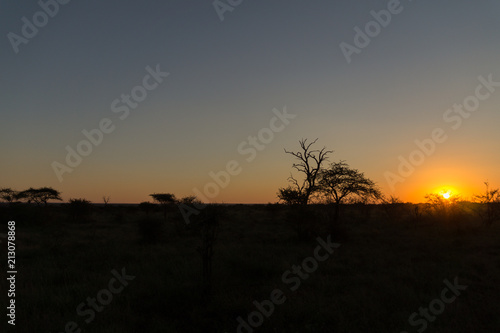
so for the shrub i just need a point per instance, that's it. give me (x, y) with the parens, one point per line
(79, 210)
(147, 207)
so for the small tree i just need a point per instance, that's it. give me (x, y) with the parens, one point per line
(40, 195)
(340, 182)
(106, 199)
(392, 200)
(309, 163)
(164, 199)
(490, 201)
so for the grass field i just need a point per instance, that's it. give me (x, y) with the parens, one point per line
(389, 265)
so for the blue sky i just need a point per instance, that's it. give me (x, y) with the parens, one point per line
(226, 77)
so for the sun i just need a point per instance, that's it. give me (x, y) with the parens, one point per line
(448, 193)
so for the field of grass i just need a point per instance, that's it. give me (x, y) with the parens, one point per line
(389, 265)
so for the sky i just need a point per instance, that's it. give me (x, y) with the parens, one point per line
(202, 98)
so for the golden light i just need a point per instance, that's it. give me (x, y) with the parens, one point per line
(446, 192)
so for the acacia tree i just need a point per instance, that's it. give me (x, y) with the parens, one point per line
(164, 199)
(309, 163)
(340, 182)
(8, 194)
(39, 195)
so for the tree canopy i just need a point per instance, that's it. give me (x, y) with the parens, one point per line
(39, 195)
(8, 194)
(340, 182)
(163, 198)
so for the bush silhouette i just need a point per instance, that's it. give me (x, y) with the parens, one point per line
(79, 210)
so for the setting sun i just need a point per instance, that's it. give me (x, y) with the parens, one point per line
(446, 192)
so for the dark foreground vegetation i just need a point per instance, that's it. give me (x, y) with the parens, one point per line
(390, 261)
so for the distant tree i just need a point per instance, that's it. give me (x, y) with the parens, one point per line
(106, 199)
(436, 201)
(189, 200)
(165, 200)
(340, 182)
(39, 195)
(8, 194)
(490, 201)
(309, 163)
(439, 202)
(444, 209)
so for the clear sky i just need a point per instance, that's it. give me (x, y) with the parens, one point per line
(224, 80)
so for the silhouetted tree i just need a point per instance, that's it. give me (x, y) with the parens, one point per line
(490, 201)
(309, 163)
(164, 199)
(340, 182)
(39, 195)
(8, 194)
(438, 202)
(392, 200)
(106, 199)
(443, 209)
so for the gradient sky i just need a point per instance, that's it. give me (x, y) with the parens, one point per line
(225, 79)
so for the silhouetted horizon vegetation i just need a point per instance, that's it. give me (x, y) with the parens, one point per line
(206, 273)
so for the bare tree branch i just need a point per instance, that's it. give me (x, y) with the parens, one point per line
(309, 163)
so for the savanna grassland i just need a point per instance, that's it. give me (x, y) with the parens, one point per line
(390, 262)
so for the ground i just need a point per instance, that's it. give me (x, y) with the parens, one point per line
(385, 269)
